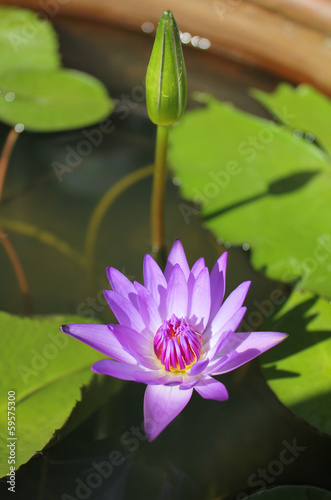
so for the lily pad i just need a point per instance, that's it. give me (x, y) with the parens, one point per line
(48, 101)
(45, 376)
(302, 108)
(26, 42)
(257, 184)
(292, 493)
(299, 369)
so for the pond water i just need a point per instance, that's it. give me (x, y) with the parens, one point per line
(237, 438)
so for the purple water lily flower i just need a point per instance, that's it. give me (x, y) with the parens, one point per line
(174, 334)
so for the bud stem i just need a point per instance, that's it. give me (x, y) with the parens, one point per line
(157, 206)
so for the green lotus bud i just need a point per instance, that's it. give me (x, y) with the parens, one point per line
(166, 88)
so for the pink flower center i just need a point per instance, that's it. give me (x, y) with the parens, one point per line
(177, 345)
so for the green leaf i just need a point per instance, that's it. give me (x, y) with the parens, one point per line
(291, 493)
(26, 42)
(93, 395)
(47, 101)
(303, 108)
(299, 369)
(47, 370)
(33, 91)
(258, 184)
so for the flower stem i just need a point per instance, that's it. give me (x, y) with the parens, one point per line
(157, 206)
(8, 247)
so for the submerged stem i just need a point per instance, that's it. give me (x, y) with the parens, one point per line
(157, 205)
(8, 247)
(43, 237)
(102, 207)
(18, 269)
